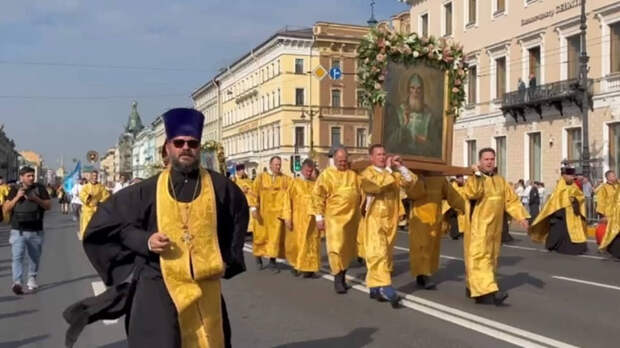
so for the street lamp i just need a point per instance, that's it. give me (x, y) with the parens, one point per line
(584, 88)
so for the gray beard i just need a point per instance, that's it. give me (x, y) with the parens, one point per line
(416, 105)
(183, 168)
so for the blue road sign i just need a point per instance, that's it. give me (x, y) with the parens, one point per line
(335, 73)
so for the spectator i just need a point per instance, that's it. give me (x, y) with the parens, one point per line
(521, 87)
(534, 202)
(588, 190)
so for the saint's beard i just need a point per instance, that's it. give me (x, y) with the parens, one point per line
(416, 104)
(182, 167)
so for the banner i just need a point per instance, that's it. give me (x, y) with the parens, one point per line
(73, 177)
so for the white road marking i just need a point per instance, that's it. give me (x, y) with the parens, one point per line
(442, 256)
(522, 248)
(98, 288)
(587, 282)
(467, 320)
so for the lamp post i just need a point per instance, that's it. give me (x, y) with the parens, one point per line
(583, 86)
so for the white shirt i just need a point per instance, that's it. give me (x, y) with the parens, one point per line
(119, 186)
(75, 194)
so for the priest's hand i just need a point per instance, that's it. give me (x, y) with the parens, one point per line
(289, 224)
(397, 161)
(320, 225)
(524, 223)
(255, 213)
(158, 242)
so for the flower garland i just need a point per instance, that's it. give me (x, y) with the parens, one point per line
(382, 44)
(214, 146)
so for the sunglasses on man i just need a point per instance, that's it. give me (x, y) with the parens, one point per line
(180, 143)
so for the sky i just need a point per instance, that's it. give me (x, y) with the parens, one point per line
(69, 69)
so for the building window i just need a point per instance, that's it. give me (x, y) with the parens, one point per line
(335, 136)
(278, 67)
(447, 11)
(573, 144)
(535, 156)
(361, 137)
(500, 74)
(614, 147)
(336, 97)
(299, 136)
(336, 63)
(360, 98)
(500, 153)
(615, 47)
(573, 44)
(299, 96)
(424, 25)
(501, 6)
(471, 13)
(472, 155)
(279, 98)
(299, 66)
(471, 84)
(534, 54)
(273, 96)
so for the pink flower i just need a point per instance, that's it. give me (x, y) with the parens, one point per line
(455, 90)
(461, 72)
(380, 57)
(381, 43)
(406, 50)
(457, 82)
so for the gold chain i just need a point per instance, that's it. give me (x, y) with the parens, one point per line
(187, 237)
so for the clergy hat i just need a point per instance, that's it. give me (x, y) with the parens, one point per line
(183, 122)
(240, 167)
(568, 170)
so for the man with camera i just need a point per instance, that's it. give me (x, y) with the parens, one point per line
(25, 206)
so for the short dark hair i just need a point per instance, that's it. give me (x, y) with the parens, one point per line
(484, 150)
(25, 170)
(308, 163)
(274, 158)
(372, 148)
(606, 173)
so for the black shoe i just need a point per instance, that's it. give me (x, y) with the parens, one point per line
(494, 298)
(308, 275)
(17, 289)
(395, 302)
(339, 285)
(360, 261)
(259, 263)
(425, 282)
(344, 278)
(295, 273)
(467, 293)
(273, 265)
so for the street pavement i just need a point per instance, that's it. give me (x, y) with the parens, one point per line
(555, 301)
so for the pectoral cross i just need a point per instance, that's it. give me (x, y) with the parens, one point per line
(187, 237)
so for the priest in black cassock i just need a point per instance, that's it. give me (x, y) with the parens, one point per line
(162, 247)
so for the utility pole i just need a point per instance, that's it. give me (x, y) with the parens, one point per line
(583, 86)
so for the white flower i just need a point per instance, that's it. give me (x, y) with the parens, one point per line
(416, 54)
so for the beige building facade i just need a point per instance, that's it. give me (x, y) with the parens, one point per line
(532, 129)
(278, 100)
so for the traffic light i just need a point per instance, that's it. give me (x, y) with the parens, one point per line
(295, 163)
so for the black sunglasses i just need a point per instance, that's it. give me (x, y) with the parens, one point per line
(192, 144)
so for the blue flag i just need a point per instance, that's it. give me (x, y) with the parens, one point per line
(72, 178)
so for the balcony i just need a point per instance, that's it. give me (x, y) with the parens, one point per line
(342, 111)
(552, 94)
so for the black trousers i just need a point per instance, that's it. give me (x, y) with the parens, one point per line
(152, 321)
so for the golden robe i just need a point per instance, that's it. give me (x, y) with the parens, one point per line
(605, 196)
(303, 243)
(462, 219)
(336, 197)
(383, 207)
(192, 266)
(562, 198)
(91, 195)
(245, 185)
(4, 191)
(482, 242)
(425, 221)
(613, 221)
(267, 197)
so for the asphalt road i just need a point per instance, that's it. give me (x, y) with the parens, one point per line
(555, 301)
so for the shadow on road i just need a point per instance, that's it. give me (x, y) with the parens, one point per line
(508, 282)
(17, 314)
(119, 344)
(59, 283)
(9, 298)
(19, 343)
(359, 337)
